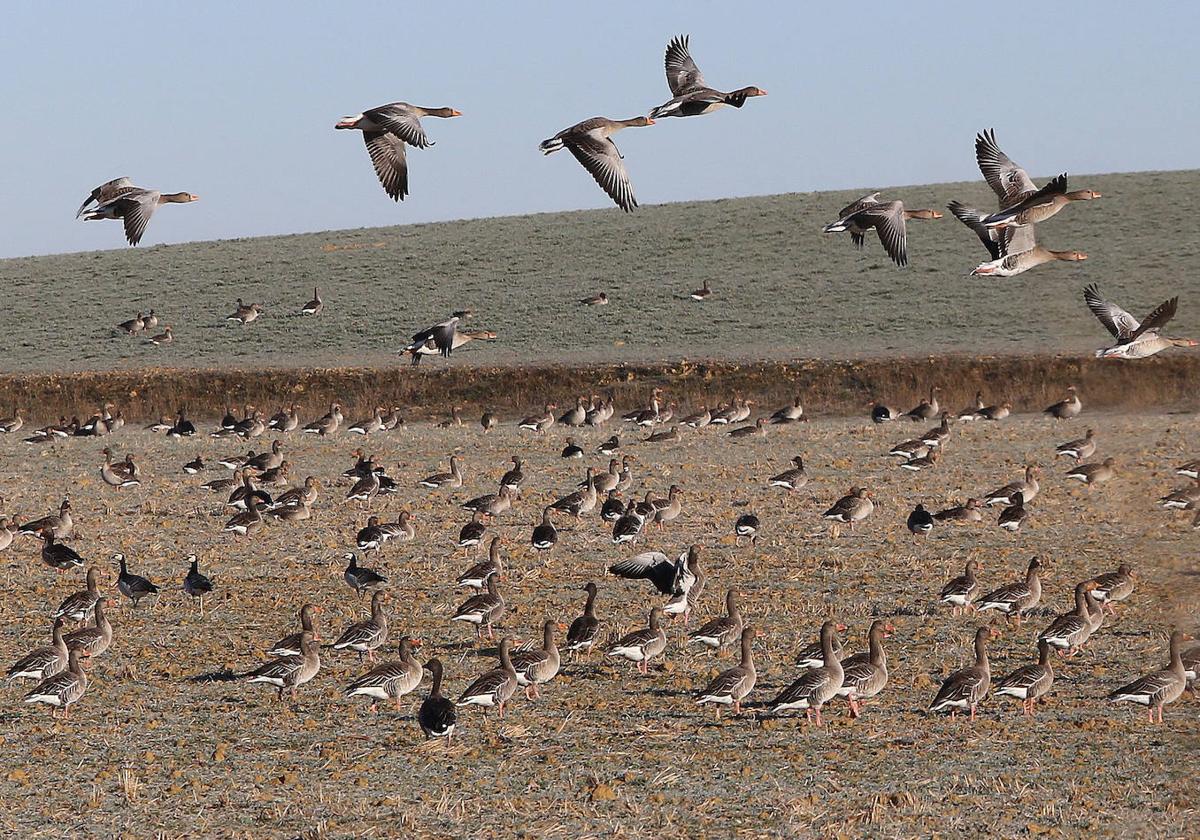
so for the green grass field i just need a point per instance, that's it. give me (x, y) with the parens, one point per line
(782, 288)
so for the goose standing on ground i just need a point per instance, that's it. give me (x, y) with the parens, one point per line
(1159, 688)
(389, 680)
(120, 199)
(452, 479)
(80, 605)
(495, 687)
(290, 645)
(966, 688)
(62, 690)
(817, 687)
(288, 673)
(545, 535)
(94, 640)
(1029, 682)
(476, 576)
(58, 556)
(44, 662)
(730, 687)
(960, 591)
(196, 584)
(582, 633)
(1091, 474)
(248, 521)
(245, 313)
(855, 506)
(1065, 408)
(1017, 597)
(360, 578)
(538, 667)
(484, 609)
(1113, 587)
(1079, 449)
(747, 525)
(134, 587)
(888, 220)
(437, 715)
(926, 409)
(792, 479)
(591, 144)
(641, 646)
(539, 422)
(691, 97)
(1070, 631)
(920, 521)
(1013, 517)
(1134, 340)
(314, 306)
(328, 424)
(386, 131)
(866, 675)
(722, 630)
(1027, 487)
(813, 655)
(363, 637)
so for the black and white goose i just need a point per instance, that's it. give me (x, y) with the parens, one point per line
(545, 535)
(360, 578)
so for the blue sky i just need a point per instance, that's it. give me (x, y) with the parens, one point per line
(236, 102)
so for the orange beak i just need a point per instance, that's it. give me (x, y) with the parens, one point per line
(455, 113)
(649, 121)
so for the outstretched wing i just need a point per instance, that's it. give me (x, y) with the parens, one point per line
(391, 166)
(603, 161)
(682, 73)
(1116, 320)
(1008, 180)
(1163, 313)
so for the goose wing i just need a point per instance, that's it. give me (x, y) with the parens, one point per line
(682, 73)
(603, 161)
(1116, 320)
(398, 119)
(1163, 313)
(1008, 180)
(391, 164)
(888, 221)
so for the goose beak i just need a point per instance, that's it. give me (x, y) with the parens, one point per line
(455, 113)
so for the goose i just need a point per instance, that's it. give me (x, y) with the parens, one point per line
(44, 662)
(538, 667)
(94, 640)
(960, 591)
(1029, 682)
(287, 419)
(183, 427)
(1022, 254)
(791, 479)
(239, 497)
(576, 416)
(1018, 597)
(299, 496)
(61, 690)
(195, 584)
(591, 143)
(793, 413)
(627, 528)
(814, 688)
(493, 504)
(291, 645)
(1065, 408)
(888, 220)
(452, 479)
(572, 449)
(881, 413)
(365, 489)
(671, 435)
(613, 508)
(120, 199)
(495, 687)
(606, 482)
(58, 556)
(297, 512)
(364, 637)
(134, 587)
(722, 630)
(938, 434)
(1028, 488)
(669, 510)
(390, 680)
(641, 646)
(370, 537)
(539, 422)
(437, 715)
(732, 686)
(119, 474)
(8, 531)
(1015, 190)
(315, 306)
(513, 478)
(402, 529)
(370, 425)
(600, 299)
(1191, 469)
(443, 339)
(163, 338)
(996, 413)
(394, 419)
(1013, 516)
(484, 609)
(387, 129)
(865, 675)
(1182, 499)
(690, 96)
(609, 446)
(669, 577)
(544, 535)
(245, 313)
(328, 424)
(266, 460)
(759, 429)
(811, 656)
(288, 673)
(476, 576)
(1070, 631)
(920, 521)
(360, 578)
(1191, 666)
(1159, 688)
(926, 409)
(133, 326)
(601, 411)
(910, 450)
(579, 501)
(967, 512)
(248, 521)
(79, 606)
(698, 419)
(703, 293)
(582, 633)
(1113, 587)
(855, 506)
(1091, 474)
(1134, 340)
(1079, 449)
(746, 525)
(966, 688)
(973, 412)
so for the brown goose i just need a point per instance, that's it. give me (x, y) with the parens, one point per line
(641, 646)
(1028, 488)
(853, 507)
(591, 143)
(94, 640)
(1070, 631)
(793, 479)
(1135, 340)
(1015, 190)
(364, 637)
(1029, 682)
(961, 591)
(119, 474)
(1066, 408)
(390, 680)
(1079, 449)
(691, 97)
(966, 688)
(538, 667)
(1113, 587)
(245, 313)
(731, 686)
(452, 479)
(476, 576)
(817, 687)
(288, 673)
(328, 424)
(80, 605)
(120, 199)
(1013, 517)
(888, 220)
(866, 675)
(291, 645)
(793, 413)
(1159, 688)
(582, 633)
(539, 422)
(386, 130)
(64, 689)
(495, 687)
(968, 512)
(722, 630)
(926, 409)
(44, 662)
(1091, 474)
(484, 609)
(1018, 597)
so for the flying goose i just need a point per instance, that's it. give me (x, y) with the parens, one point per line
(591, 143)
(1016, 191)
(429, 346)
(966, 688)
(691, 97)
(1029, 682)
(888, 220)
(437, 715)
(386, 130)
(731, 686)
(1159, 688)
(1135, 340)
(120, 199)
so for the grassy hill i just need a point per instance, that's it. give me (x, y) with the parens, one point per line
(782, 288)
